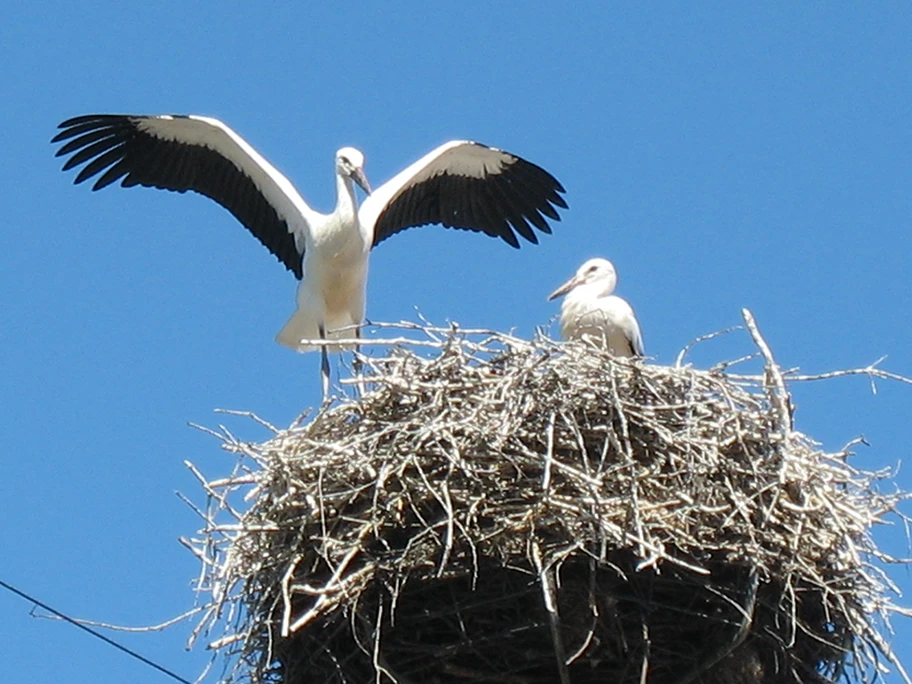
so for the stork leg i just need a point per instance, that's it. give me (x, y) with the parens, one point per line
(324, 365)
(357, 365)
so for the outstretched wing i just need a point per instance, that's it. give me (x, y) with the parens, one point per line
(196, 153)
(469, 186)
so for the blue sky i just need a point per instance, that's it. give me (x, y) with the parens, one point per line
(721, 156)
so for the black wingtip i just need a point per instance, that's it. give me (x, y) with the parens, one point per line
(509, 237)
(87, 118)
(82, 176)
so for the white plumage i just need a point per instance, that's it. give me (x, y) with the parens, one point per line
(332, 292)
(591, 312)
(460, 184)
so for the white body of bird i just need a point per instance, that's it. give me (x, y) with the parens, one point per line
(333, 289)
(591, 312)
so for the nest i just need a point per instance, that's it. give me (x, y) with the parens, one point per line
(500, 510)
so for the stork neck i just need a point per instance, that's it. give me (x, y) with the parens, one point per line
(588, 292)
(346, 204)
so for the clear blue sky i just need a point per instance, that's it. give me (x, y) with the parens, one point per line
(723, 157)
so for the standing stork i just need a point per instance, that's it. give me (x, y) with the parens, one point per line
(461, 184)
(590, 311)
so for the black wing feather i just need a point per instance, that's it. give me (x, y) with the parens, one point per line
(117, 145)
(516, 207)
(82, 140)
(500, 204)
(90, 151)
(484, 214)
(112, 175)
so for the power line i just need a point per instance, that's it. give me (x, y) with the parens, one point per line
(94, 633)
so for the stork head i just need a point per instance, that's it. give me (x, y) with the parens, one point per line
(596, 275)
(350, 164)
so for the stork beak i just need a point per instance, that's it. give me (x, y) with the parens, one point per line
(359, 178)
(565, 288)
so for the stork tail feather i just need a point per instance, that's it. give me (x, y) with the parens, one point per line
(303, 326)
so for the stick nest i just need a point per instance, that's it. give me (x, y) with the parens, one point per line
(507, 511)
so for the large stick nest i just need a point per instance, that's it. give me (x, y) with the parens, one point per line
(499, 510)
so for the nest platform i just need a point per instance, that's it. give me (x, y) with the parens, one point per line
(508, 511)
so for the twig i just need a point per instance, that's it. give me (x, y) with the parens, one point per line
(123, 628)
(776, 385)
(549, 595)
(703, 338)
